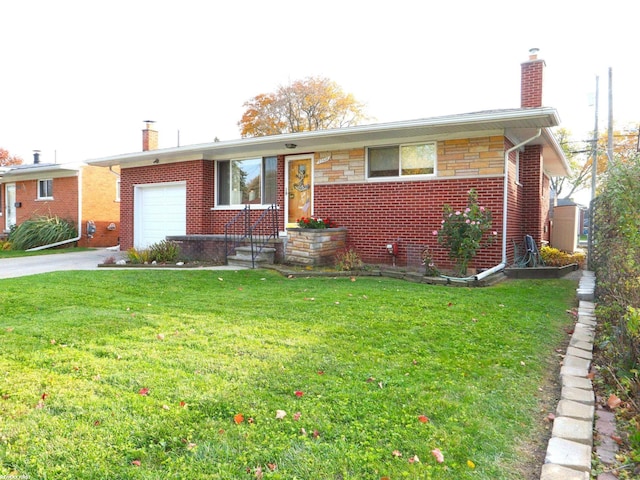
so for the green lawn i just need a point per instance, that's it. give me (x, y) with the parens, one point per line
(181, 374)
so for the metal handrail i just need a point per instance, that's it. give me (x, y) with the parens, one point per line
(257, 234)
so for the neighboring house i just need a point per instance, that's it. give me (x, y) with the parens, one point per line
(386, 183)
(86, 195)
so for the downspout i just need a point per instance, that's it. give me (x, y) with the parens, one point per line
(505, 205)
(63, 242)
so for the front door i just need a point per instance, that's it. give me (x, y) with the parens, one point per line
(299, 194)
(10, 205)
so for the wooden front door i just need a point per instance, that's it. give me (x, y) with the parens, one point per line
(299, 194)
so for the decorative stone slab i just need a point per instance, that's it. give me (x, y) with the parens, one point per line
(569, 454)
(584, 320)
(569, 408)
(569, 381)
(576, 362)
(578, 395)
(558, 472)
(578, 352)
(582, 345)
(580, 431)
(574, 371)
(581, 336)
(581, 327)
(586, 294)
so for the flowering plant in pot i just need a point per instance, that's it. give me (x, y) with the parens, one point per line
(315, 222)
(464, 232)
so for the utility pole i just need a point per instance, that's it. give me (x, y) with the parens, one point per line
(594, 171)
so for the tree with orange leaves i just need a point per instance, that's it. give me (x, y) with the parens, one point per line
(7, 159)
(315, 103)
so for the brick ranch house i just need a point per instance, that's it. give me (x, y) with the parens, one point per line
(385, 183)
(83, 194)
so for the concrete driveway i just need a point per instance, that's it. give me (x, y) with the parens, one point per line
(23, 266)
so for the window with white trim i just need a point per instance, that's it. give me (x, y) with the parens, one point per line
(45, 189)
(247, 181)
(401, 160)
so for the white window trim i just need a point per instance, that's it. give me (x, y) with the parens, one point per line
(400, 177)
(38, 187)
(241, 206)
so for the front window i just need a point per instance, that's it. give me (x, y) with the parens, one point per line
(45, 188)
(248, 181)
(402, 160)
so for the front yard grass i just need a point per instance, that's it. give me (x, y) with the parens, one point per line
(248, 374)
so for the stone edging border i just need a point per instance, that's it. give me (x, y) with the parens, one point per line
(569, 450)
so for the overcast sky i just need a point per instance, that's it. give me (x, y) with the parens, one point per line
(79, 77)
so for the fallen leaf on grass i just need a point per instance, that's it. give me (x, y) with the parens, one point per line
(470, 464)
(414, 459)
(550, 418)
(165, 407)
(272, 466)
(280, 414)
(298, 393)
(191, 446)
(44, 396)
(144, 391)
(438, 455)
(258, 473)
(613, 401)
(315, 434)
(423, 419)
(396, 453)
(617, 439)
(296, 416)
(221, 279)
(137, 463)
(160, 336)
(183, 404)
(238, 418)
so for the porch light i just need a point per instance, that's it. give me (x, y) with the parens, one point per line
(290, 145)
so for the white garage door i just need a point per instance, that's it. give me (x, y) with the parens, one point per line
(160, 210)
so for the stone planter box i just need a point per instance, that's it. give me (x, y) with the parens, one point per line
(311, 246)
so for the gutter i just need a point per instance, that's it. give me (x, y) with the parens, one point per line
(64, 242)
(503, 264)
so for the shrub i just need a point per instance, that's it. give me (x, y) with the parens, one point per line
(160, 252)
(464, 232)
(138, 256)
(430, 267)
(5, 245)
(40, 231)
(557, 258)
(348, 261)
(164, 252)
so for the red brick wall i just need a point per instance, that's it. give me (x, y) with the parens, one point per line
(200, 194)
(531, 83)
(535, 205)
(100, 206)
(376, 214)
(64, 203)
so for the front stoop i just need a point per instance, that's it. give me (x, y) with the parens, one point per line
(570, 447)
(242, 258)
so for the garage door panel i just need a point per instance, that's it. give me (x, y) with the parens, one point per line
(160, 211)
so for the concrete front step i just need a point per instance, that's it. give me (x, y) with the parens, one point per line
(242, 258)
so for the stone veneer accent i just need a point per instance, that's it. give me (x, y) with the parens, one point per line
(310, 246)
(462, 157)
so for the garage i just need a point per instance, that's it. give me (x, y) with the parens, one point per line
(160, 211)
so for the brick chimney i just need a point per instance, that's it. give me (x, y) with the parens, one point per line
(531, 81)
(149, 137)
